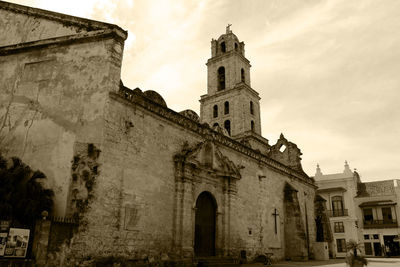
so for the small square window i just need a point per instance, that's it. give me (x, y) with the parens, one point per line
(376, 236)
(339, 227)
(366, 236)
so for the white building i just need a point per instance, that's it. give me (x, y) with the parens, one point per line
(364, 212)
(377, 212)
(339, 190)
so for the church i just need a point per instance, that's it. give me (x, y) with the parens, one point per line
(144, 181)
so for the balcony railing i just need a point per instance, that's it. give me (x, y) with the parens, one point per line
(338, 213)
(380, 224)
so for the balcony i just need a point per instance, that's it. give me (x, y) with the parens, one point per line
(337, 213)
(380, 224)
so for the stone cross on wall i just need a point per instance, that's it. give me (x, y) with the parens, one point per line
(275, 214)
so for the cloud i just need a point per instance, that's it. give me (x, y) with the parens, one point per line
(335, 70)
(327, 71)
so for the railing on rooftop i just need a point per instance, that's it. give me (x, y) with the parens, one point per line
(380, 224)
(337, 213)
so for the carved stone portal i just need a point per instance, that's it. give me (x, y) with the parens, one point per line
(202, 170)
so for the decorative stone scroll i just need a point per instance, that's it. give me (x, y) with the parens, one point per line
(206, 155)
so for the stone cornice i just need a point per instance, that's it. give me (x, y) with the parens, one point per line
(76, 38)
(66, 20)
(136, 97)
(238, 87)
(226, 55)
(253, 135)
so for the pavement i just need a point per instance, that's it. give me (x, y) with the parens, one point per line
(372, 262)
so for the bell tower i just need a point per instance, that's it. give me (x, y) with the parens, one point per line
(230, 101)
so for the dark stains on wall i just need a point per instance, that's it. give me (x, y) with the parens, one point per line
(85, 170)
(295, 235)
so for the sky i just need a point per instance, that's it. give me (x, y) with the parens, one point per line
(328, 72)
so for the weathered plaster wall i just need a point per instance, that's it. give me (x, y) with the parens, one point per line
(133, 211)
(260, 191)
(20, 28)
(132, 214)
(53, 97)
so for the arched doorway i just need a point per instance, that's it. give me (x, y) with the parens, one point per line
(204, 238)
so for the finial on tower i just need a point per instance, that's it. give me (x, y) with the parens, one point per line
(228, 28)
(318, 172)
(346, 167)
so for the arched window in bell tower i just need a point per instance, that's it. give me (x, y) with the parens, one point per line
(251, 108)
(242, 75)
(226, 107)
(236, 47)
(223, 47)
(215, 111)
(227, 125)
(252, 126)
(221, 78)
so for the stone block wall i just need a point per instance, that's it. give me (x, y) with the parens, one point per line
(239, 110)
(133, 212)
(232, 72)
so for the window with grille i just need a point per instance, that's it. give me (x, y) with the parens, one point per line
(368, 215)
(339, 227)
(387, 215)
(341, 245)
(368, 248)
(337, 205)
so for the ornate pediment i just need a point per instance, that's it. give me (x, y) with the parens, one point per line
(287, 153)
(206, 156)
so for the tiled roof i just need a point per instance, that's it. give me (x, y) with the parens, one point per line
(379, 188)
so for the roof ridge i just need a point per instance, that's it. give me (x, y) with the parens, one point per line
(9, 49)
(65, 19)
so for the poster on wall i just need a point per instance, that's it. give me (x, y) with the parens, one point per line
(3, 240)
(4, 226)
(17, 243)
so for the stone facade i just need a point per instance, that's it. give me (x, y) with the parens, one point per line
(133, 171)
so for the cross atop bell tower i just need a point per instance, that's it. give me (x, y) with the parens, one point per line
(228, 29)
(230, 101)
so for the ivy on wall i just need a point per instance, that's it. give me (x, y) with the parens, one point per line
(22, 196)
(84, 173)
